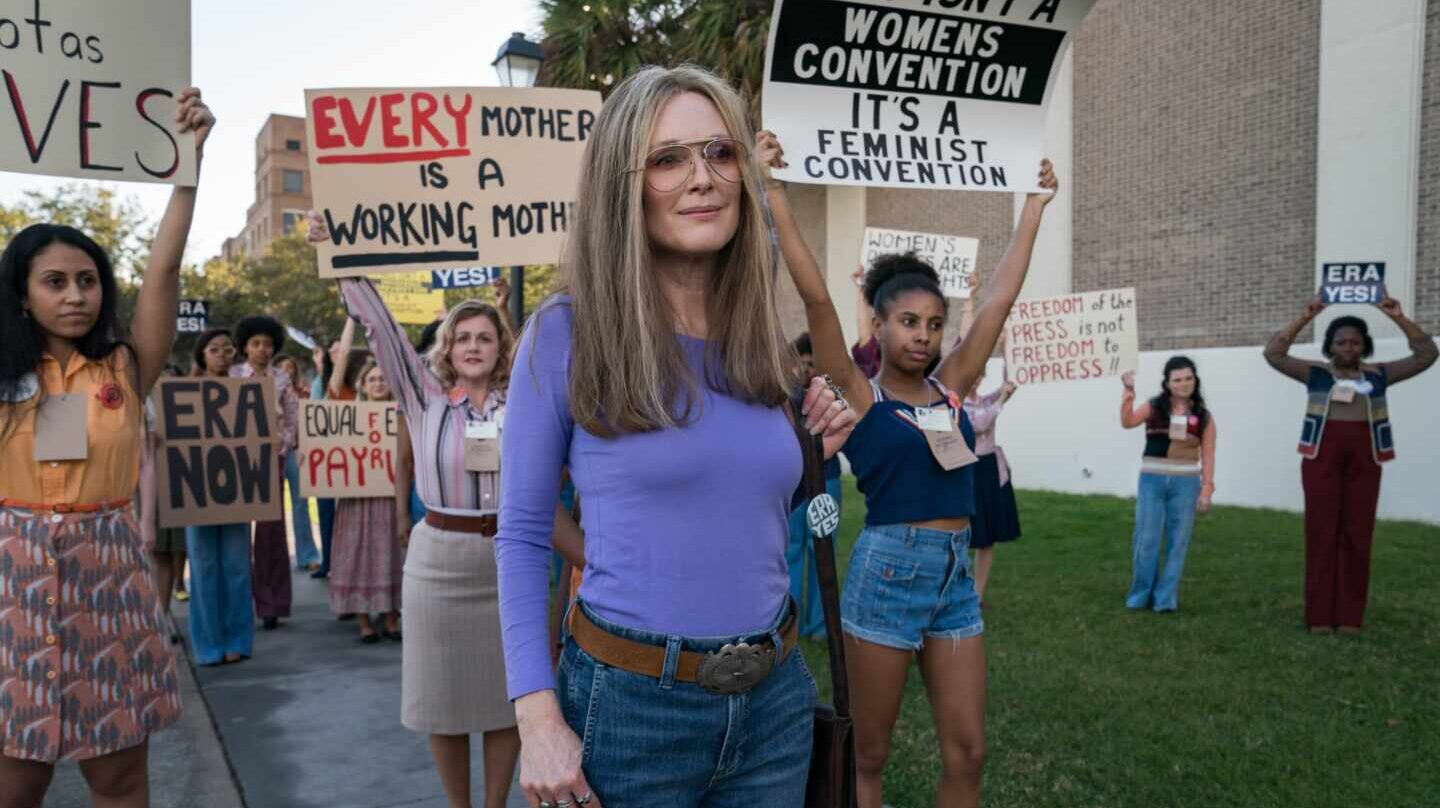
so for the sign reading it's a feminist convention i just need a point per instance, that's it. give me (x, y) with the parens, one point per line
(953, 257)
(915, 93)
(221, 458)
(422, 179)
(90, 87)
(1072, 337)
(347, 449)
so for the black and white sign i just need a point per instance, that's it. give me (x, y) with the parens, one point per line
(193, 316)
(823, 515)
(915, 93)
(463, 277)
(1353, 282)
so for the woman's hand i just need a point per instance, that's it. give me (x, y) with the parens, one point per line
(403, 525)
(1392, 308)
(549, 754)
(1202, 505)
(193, 116)
(318, 230)
(859, 276)
(1048, 183)
(1128, 379)
(768, 155)
(317, 355)
(1316, 305)
(502, 293)
(827, 413)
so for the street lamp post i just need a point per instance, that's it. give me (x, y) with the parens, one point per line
(518, 65)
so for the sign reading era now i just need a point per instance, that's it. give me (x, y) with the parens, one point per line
(347, 448)
(220, 461)
(1088, 335)
(953, 257)
(915, 93)
(90, 88)
(426, 178)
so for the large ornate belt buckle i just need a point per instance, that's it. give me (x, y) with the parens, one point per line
(735, 668)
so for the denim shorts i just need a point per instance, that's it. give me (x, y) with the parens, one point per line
(906, 584)
(648, 741)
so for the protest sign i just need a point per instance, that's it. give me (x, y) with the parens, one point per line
(220, 461)
(300, 337)
(410, 298)
(1081, 336)
(915, 93)
(464, 277)
(1353, 282)
(347, 449)
(951, 256)
(193, 316)
(412, 179)
(91, 88)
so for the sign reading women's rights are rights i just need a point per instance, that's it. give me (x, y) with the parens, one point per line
(422, 179)
(953, 257)
(1088, 335)
(946, 94)
(90, 88)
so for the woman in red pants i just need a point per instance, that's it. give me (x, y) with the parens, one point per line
(1344, 439)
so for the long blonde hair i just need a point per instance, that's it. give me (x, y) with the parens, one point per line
(627, 369)
(439, 354)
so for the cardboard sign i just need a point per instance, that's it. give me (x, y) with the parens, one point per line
(91, 86)
(412, 179)
(1072, 337)
(951, 256)
(915, 93)
(464, 277)
(347, 448)
(194, 316)
(220, 461)
(410, 298)
(1354, 282)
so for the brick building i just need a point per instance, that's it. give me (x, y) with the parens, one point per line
(282, 186)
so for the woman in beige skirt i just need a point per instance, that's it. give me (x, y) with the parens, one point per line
(453, 674)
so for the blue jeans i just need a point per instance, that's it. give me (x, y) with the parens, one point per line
(305, 552)
(800, 558)
(326, 509)
(908, 584)
(648, 742)
(222, 617)
(1164, 505)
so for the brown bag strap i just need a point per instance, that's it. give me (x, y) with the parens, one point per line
(812, 448)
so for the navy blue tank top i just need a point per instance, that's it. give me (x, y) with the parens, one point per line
(894, 469)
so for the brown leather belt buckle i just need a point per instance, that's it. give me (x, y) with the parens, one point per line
(735, 668)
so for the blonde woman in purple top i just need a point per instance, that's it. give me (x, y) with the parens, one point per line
(661, 381)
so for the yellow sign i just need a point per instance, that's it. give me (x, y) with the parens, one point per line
(410, 298)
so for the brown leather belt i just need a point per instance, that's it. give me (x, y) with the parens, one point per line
(484, 525)
(732, 669)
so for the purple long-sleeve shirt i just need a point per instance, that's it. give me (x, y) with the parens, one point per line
(685, 528)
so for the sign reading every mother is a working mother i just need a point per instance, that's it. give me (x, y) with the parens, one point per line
(430, 178)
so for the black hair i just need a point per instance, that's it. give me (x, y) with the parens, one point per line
(258, 325)
(427, 337)
(802, 345)
(20, 335)
(1160, 405)
(895, 274)
(1347, 322)
(358, 358)
(203, 342)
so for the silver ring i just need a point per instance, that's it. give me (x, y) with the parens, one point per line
(544, 804)
(585, 800)
(563, 804)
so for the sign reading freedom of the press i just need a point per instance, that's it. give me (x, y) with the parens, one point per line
(90, 87)
(946, 94)
(220, 462)
(951, 256)
(347, 449)
(1072, 337)
(420, 179)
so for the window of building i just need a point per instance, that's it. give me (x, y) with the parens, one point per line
(292, 182)
(288, 221)
(292, 145)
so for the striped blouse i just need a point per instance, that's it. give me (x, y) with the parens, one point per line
(436, 415)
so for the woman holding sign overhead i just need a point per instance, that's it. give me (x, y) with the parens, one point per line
(86, 671)
(1344, 438)
(908, 589)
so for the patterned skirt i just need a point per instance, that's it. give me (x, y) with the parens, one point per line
(366, 559)
(85, 668)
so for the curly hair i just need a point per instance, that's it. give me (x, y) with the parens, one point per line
(439, 355)
(258, 325)
(895, 274)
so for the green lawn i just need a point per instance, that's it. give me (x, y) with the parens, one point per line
(1226, 703)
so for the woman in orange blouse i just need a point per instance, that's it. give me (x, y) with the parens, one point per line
(86, 672)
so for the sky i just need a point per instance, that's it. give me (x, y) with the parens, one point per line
(257, 57)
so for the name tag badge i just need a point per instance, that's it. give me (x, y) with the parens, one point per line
(1343, 392)
(934, 419)
(1179, 427)
(482, 455)
(61, 428)
(949, 449)
(482, 430)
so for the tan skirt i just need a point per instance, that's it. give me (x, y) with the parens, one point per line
(453, 672)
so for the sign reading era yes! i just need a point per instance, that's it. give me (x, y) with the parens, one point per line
(1352, 282)
(951, 256)
(193, 316)
(347, 449)
(220, 462)
(90, 88)
(915, 93)
(1072, 337)
(419, 179)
